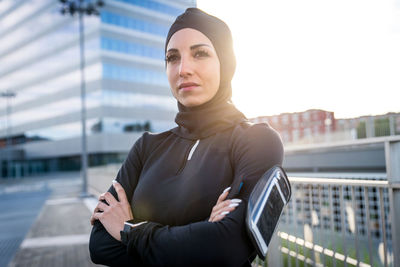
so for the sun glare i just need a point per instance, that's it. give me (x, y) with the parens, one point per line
(340, 56)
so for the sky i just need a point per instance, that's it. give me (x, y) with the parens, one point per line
(293, 55)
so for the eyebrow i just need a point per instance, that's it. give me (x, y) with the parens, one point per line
(198, 45)
(191, 48)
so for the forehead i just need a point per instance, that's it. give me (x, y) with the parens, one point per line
(187, 37)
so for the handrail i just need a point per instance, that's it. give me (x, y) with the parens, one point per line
(323, 222)
(364, 141)
(339, 182)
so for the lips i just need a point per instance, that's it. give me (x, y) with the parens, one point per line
(187, 86)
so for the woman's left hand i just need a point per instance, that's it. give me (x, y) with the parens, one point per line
(223, 207)
(115, 213)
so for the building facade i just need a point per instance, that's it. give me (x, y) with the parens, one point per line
(371, 126)
(300, 126)
(317, 126)
(127, 91)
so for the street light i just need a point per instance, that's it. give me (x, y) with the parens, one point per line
(8, 95)
(81, 7)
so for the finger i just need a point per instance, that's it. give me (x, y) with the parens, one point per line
(221, 205)
(223, 196)
(96, 210)
(227, 205)
(109, 198)
(101, 207)
(220, 216)
(217, 209)
(92, 220)
(120, 191)
(236, 200)
(97, 215)
(212, 217)
(101, 197)
(229, 208)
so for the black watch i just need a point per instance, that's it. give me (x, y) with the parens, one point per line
(128, 225)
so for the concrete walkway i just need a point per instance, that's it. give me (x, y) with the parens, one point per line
(60, 234)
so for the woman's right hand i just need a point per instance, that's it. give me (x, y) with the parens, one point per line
(224, 206)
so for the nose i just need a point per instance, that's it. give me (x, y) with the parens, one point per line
(185, 67)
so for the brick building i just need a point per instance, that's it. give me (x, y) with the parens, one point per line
(298, 126)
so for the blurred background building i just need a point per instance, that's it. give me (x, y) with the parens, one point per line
(127, 91)
(297, 126)
(319, 126)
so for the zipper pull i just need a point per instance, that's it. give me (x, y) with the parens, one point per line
(193, 149)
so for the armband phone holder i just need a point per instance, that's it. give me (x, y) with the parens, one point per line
(266, 203)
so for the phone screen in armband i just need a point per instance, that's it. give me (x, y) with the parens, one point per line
(266, 203)
(270, 215)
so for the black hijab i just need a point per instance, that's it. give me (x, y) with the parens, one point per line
(219, 113)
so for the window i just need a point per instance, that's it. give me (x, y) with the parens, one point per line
(153, 5)
(131, 74)
(133, 23)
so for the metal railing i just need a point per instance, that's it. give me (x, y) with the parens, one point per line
(341, 221)
(336, 222)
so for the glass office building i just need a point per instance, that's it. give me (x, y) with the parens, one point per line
(127, 90)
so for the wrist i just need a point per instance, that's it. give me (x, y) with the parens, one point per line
(128, 226)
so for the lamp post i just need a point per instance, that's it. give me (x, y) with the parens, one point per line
(8, 95)
(81, 8)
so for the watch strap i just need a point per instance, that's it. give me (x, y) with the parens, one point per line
(128, 226)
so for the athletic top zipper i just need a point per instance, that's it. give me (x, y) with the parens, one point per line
(191, 151)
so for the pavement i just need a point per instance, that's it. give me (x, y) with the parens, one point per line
(46, 223)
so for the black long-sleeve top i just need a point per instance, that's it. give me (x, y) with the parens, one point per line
(173, 183)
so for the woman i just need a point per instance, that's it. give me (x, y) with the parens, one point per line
(172, 180)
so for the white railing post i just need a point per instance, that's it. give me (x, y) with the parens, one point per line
(275, 256)
(392, 158)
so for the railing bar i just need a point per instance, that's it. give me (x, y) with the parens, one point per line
(353, 200)
(370, 250)
(294, 202)
(343, 224)
(382, 213)
(335, 181)
(344, 204)
(347, 143)
(310, 199)
(332, 225)
(394, 228)
(303, 219)
(321, 225)
(287, 240)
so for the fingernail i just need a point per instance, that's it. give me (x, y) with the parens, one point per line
(226, 189)
(224, 213)
(114, 181)
(233, 205)
(236, 200)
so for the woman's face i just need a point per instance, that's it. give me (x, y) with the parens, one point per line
(192, 67)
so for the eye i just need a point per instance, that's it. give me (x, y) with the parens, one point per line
(201, 54)
(171, 58)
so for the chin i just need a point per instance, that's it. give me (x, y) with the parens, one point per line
(191, 103)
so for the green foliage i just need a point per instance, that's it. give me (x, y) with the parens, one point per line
(382, 127)
(361, 130)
